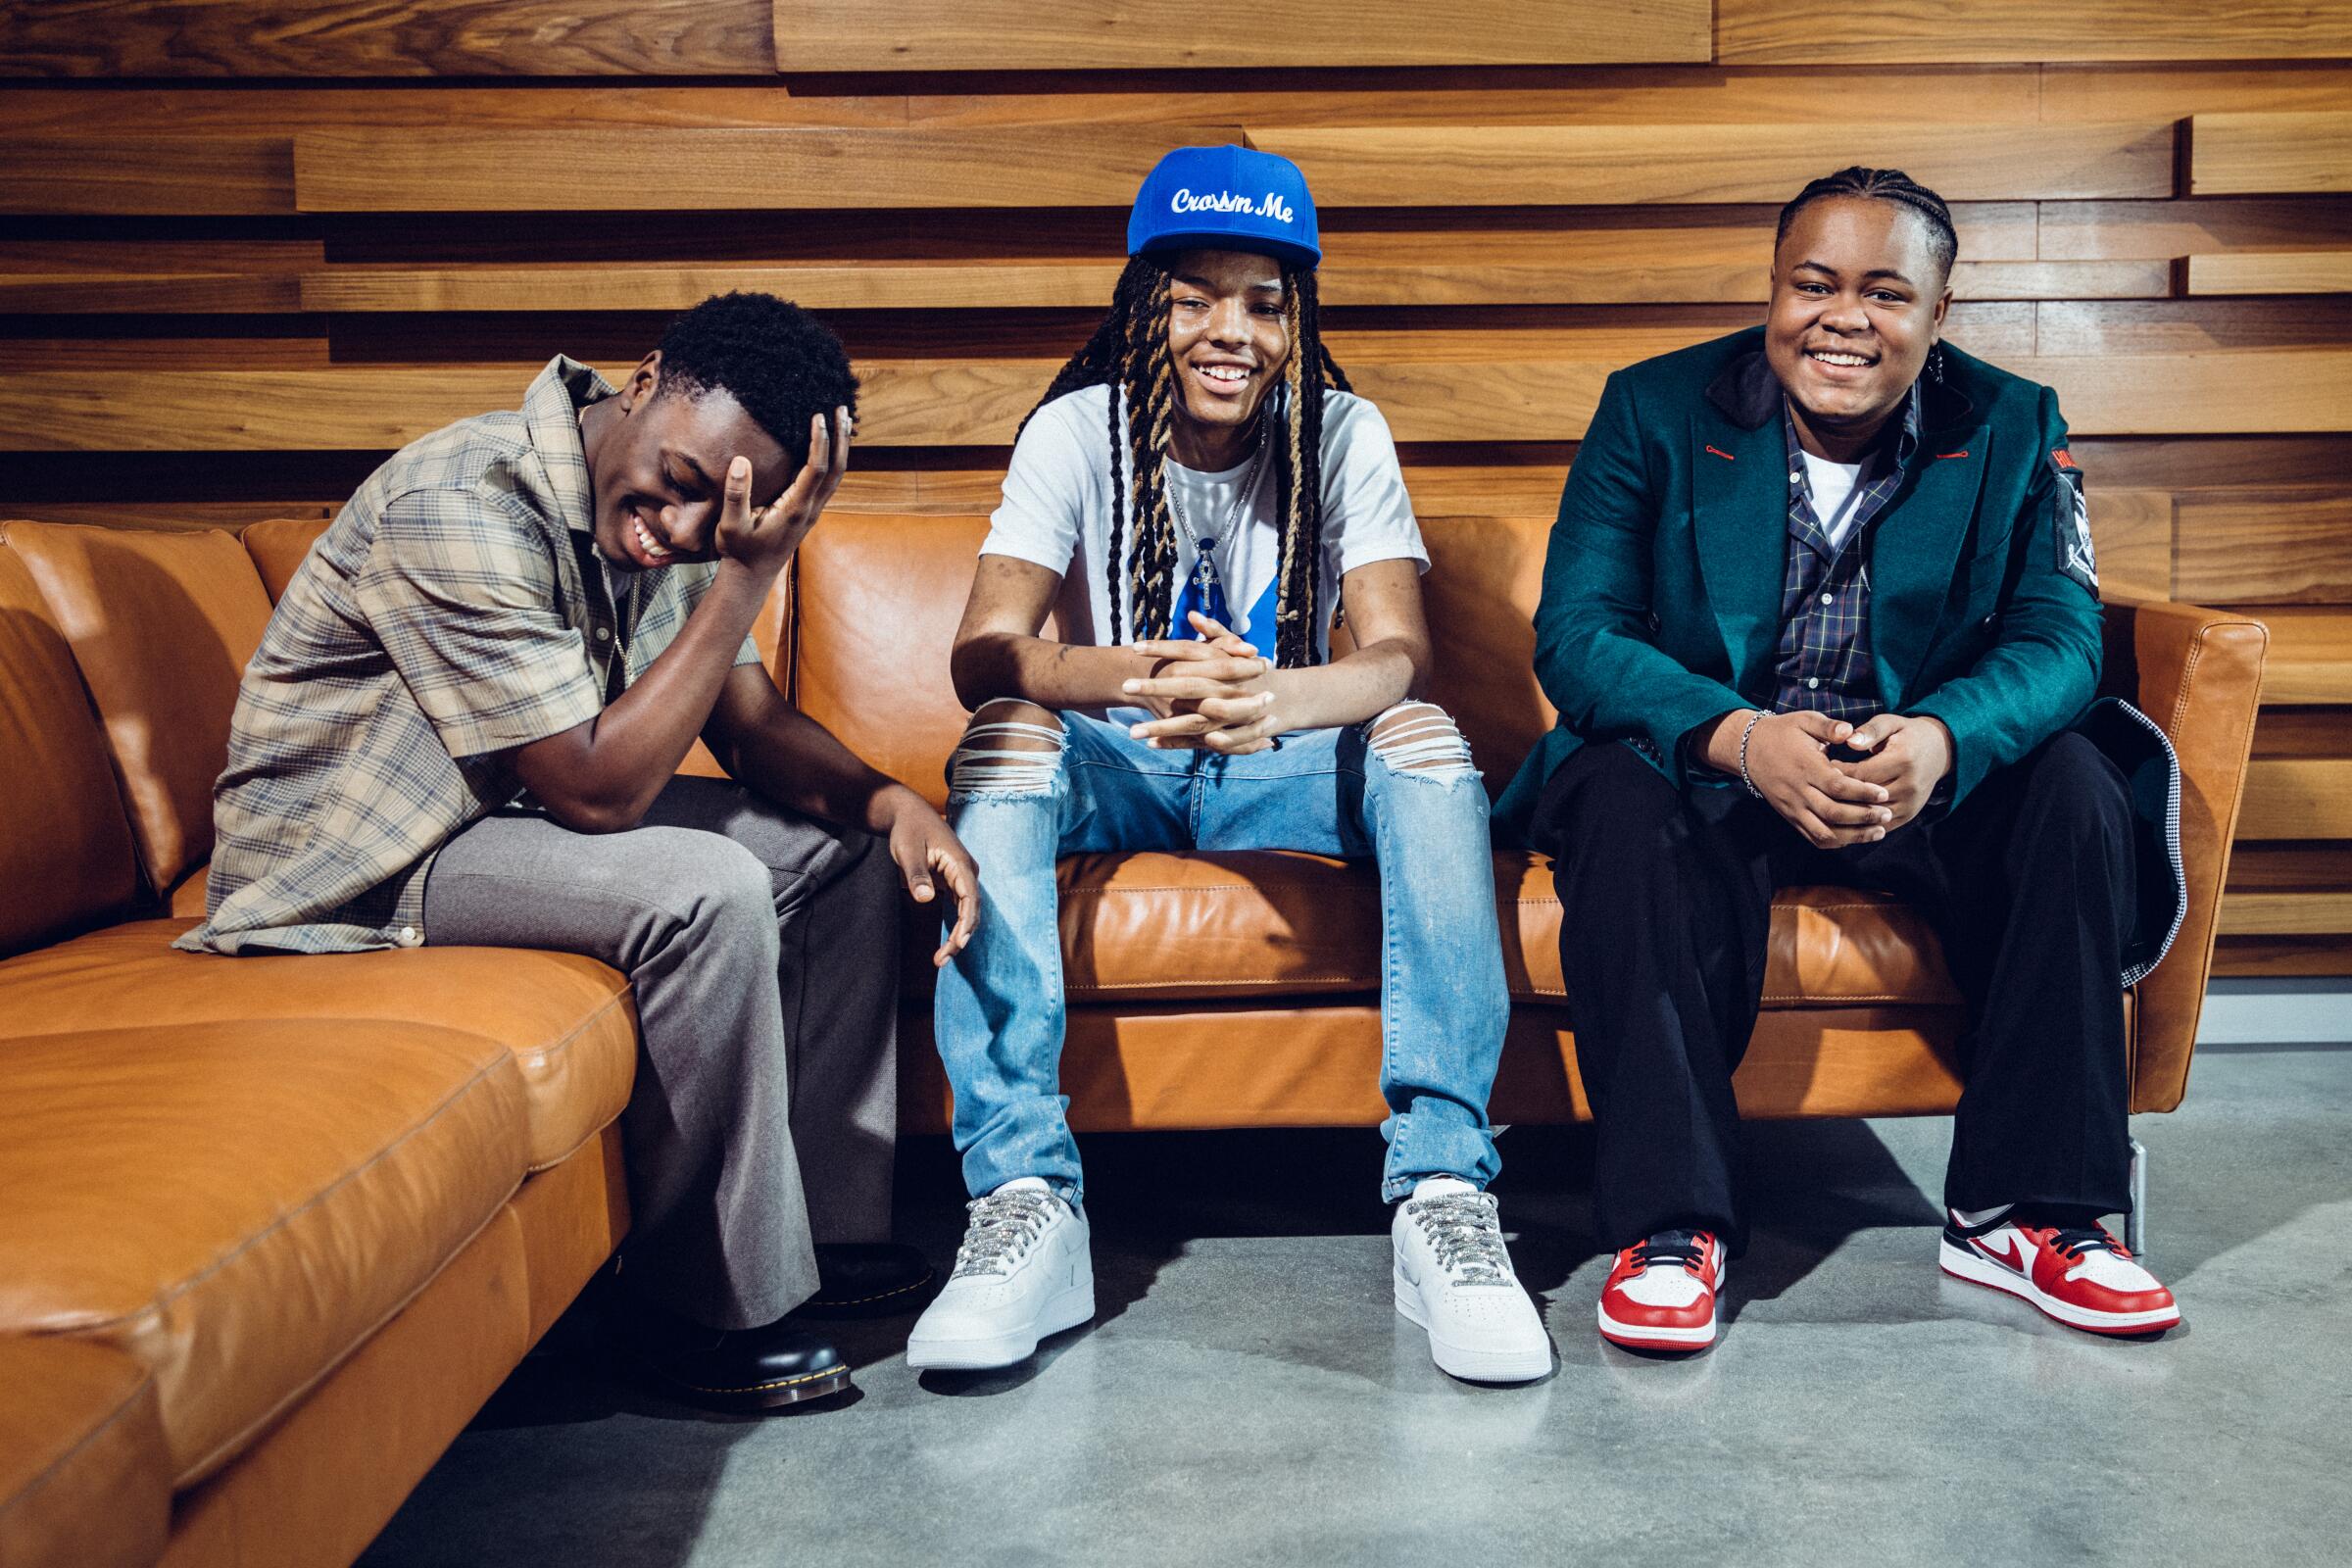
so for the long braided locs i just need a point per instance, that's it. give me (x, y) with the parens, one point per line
(1128, 354)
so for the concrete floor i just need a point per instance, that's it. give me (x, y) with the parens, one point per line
(1248, 1395)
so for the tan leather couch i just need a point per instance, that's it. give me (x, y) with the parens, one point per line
(275, 1228)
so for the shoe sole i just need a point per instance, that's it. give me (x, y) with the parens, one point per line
(1068, 1310)
(1962, 1264)
(886, 1304)
(1648, 1338)
(763, 1396)
(1461, 1361)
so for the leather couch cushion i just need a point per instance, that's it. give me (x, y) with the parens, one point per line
(65, 855)
(278, 548)
(878, 599)
(314, 1490)
(1146, 926)
(1289, 1063)
(161, 624)
(1828, 946)
(1484, 575)
(569, 1021)
(238, 1206)
(83, 1478)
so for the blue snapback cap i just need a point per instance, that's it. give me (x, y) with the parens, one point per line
(1228, 198)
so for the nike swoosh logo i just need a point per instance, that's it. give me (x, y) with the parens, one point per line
(2022, 1263)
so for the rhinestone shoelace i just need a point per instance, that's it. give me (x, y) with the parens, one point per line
(1001, 1229)
(1464, 1232)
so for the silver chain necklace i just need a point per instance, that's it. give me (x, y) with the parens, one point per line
(624, 621)
(1202, 547)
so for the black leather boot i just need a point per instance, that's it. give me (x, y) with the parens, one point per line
(867, 1279)
(723, 1369)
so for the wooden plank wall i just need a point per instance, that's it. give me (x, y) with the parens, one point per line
(252, 245)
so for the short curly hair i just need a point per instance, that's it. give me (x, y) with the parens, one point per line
(783, 364)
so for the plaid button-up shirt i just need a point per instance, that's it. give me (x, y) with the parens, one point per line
(456, 609)
(1823, 659)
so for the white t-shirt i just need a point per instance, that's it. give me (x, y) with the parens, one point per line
(1833, 485)
(1056, 514)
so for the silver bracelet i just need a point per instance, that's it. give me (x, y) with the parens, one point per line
(1753, 722)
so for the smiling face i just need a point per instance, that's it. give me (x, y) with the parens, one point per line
(657, 466)
(1858, 299)
(1230, 339)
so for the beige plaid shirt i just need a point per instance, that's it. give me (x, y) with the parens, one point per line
(456, 609)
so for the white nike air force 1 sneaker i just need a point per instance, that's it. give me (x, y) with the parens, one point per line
(1454, 1280)
(1024, 1272)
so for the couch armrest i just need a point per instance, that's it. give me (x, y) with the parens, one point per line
(84, 1478)
(2198, 674)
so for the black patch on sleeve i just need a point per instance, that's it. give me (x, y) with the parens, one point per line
(2069, 523)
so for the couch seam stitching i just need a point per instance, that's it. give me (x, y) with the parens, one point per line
(113, 1419)
(571, 1037)
(157, 1306)
(592, 1134)
(235, 1442)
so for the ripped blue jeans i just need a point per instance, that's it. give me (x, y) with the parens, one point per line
(1399, 789)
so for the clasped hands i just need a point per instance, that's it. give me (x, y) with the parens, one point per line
(1835, 802)
(1213, 695)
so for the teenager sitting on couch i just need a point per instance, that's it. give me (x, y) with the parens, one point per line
(1821, 607)
(1194, 497)
(463, 728)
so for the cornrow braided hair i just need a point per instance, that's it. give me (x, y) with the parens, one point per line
(1884, 185)
(1128, 354)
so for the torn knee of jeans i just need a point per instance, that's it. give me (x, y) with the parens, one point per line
(1006, 756)
(1419, 738)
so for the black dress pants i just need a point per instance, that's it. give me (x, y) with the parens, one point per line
(1666, 901)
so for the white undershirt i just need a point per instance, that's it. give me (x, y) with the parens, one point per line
(1833, 485)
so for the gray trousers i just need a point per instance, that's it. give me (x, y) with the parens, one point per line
(762, 948)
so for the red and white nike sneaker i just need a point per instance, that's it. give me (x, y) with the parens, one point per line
(1660, 1293)
(2082, 1276)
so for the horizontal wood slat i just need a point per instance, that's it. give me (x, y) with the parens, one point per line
(2297, 798)
(1633, 95)
(698, 170)
(1139, 34)
(148, 173)
(830, 167)
(2319, 913)
(1427, 395)
(149, 293)
(663, 286)
(1012, 283)
(1826, 32)
(2133, 531)
(1480, 166)
(2310, 657)
(2288, 390)
(2263, 153)
(2272, 273)
(2276, 957)
(2150, 230)
(2271, 869)
(247, 39)
(2256, 547)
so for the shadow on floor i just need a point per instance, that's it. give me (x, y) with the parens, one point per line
(1150, 1196)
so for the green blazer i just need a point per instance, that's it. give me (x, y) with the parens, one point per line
(1661, 604)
